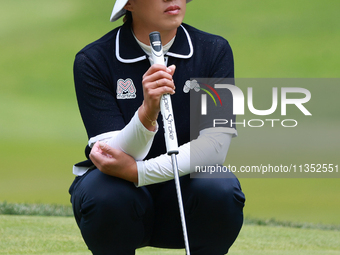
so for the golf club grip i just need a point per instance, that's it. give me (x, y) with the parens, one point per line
(165, 104)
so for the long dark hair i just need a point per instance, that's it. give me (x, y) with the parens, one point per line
(127, 17)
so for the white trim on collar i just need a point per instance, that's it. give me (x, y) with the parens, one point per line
(171, 54)
(190, 46)
(127, 61)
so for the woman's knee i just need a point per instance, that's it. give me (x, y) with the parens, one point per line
(113, 209)
(215, 193)
(106, 195)
(213, 207)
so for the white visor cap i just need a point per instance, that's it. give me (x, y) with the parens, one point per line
(119, 11)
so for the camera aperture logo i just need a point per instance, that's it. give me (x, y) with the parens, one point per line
(199, 86)
(239, 100)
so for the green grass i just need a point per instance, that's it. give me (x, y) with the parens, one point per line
(39, 235)
(35, 209)
(60, 235)
(286, 241)
(42, 136)
(275, 38)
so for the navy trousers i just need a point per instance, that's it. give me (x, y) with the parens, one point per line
(115, 217)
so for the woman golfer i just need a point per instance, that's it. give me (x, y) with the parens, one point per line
(124, 195)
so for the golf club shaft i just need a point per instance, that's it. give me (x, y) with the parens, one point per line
(169, 130)
(180, 202)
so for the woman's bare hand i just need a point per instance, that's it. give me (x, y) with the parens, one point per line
(156, 82)
(114, 162)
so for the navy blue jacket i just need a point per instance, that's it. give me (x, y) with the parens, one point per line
(108, 78)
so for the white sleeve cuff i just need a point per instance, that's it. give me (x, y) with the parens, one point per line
(105, 137)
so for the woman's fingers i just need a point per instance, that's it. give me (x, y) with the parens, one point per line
(99, 155)
(173, 69)
(104, 156)
(158, 76)
(155, 68)
(114, 162)
(157, 72)
(159, 87)
(156, 82)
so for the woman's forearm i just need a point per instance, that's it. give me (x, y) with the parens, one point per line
(210, 148)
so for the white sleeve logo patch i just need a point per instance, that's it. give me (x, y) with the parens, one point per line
(126, 89)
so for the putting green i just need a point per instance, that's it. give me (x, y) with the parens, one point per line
(60, 235)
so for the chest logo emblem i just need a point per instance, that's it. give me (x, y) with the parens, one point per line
(126, 89)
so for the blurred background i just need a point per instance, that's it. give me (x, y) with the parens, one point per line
(42, 135)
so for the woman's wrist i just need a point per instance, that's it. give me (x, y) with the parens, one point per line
(153, 122)
(148, 119)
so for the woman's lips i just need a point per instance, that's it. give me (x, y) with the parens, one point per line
(173, 10)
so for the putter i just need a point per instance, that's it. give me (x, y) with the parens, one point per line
(169, 130)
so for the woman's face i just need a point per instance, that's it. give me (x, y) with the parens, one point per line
(157, 15)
